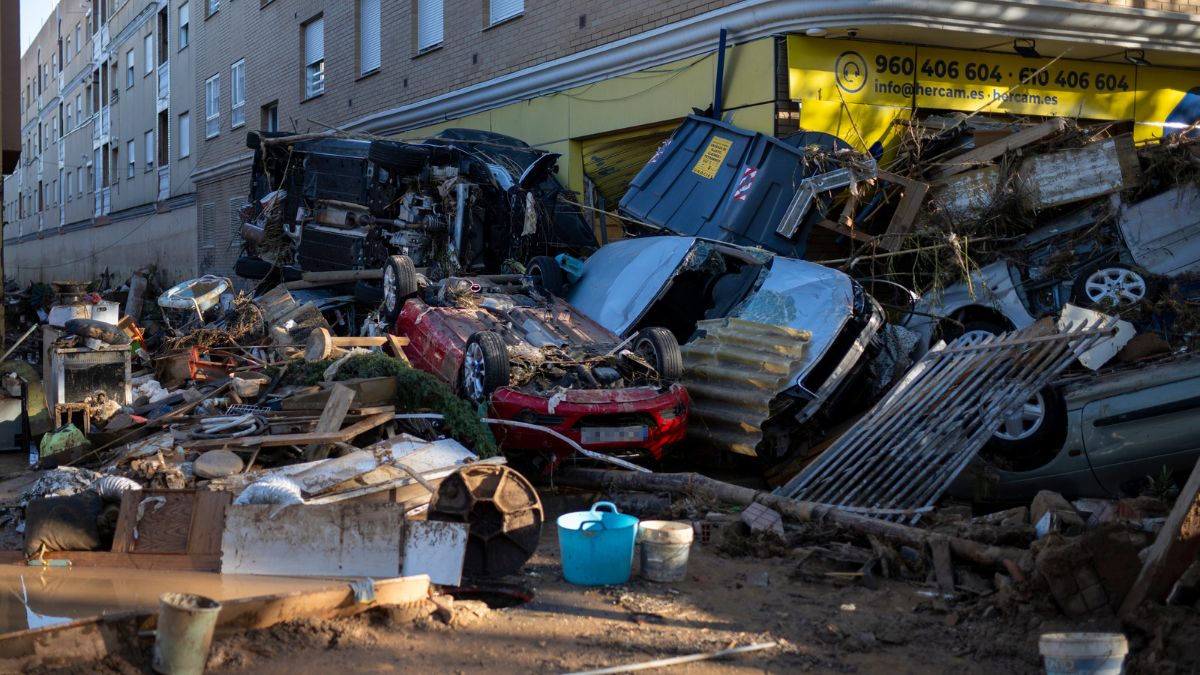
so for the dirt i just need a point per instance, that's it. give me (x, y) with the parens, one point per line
(803, 595)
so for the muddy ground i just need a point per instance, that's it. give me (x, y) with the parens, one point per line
(823, 620)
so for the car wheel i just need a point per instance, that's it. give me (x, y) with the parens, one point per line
(399, 283)
(659, 348)
(1039, 427)
(547, 275)
(1110, 285)
(485, 366)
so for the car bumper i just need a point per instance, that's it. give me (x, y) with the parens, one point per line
(637, 421)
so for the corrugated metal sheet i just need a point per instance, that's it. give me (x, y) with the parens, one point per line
(899, 458)
(612, 160)
(732, 373)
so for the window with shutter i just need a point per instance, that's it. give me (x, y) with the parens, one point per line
(368, 36)
(150, 53)
(429, 24)
(185, 135)
(150, 150)
(501, 10)
(314, 57)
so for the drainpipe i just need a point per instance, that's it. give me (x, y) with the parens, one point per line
(720, 84)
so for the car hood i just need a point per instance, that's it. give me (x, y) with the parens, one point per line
(801, 295)
(621, 280)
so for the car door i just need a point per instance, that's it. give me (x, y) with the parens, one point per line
(1140, 420)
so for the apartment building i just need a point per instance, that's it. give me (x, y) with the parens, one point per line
(601, 83)
(103, 184)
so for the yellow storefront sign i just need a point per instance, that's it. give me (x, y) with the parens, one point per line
(710, 162)
(875, 74)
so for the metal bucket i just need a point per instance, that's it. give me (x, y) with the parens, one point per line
(184, 633)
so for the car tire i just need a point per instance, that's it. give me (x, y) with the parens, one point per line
(399, 284)
(252, 268)
(1114, 285)
(659, 347)
(485, 366)
(367, 293)
(547, 275)
(97, 330)
(400, 157)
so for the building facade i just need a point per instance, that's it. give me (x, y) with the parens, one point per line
(104, 180)
(604, 83)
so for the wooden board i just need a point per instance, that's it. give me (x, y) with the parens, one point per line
(141, 561)
(905, 215)
(190, 522)
(990, 151)
(343, 436)
(1177, 545)
(340, 398)
(208, 522)
(348, 539)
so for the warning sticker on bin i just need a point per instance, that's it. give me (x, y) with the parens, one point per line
(710, 162)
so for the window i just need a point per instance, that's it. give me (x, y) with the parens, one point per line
(129, 68)
(237, 94)
(213, 6)
(132, 148)
(67, 49)
(149, 53)
(68, 185)
(183, 25)
(81, 180)
(429, 24)
(314, 58)
(149, 140)
(185, 135)
(68, 127)
(368, 36)
(270, 117)
(212, 106)
(501, 10)
(78, 42)
(78, 111)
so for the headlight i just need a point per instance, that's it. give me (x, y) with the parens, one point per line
(860, 298)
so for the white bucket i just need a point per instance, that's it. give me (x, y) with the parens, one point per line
(184, 633)
(1079, 653)
(664, 547)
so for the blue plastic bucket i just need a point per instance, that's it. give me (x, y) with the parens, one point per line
(1084, 653)
(597, 546)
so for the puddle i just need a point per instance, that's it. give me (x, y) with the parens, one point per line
(495, 596)
(37, 597)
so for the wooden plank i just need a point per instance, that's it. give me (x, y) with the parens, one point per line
(990, 151)
(340, 398)
(141, 561)
(1177, 545)
(208, 522)
(847, 231)
(163, 528)
(905, 215)
(943, 569)
(343, 436)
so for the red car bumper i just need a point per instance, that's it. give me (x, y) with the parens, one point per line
(634, 420)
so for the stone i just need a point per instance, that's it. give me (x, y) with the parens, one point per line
(217, 464)
(1067, 518)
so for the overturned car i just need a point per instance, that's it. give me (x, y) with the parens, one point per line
(770, 343)
(465, 202)
(504, 342)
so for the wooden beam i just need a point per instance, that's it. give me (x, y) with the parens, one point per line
(340, 398)
(1177, 545)
(905, 215)
(990, 151)
(343, 436)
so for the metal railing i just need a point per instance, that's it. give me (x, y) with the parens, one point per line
(897, 460)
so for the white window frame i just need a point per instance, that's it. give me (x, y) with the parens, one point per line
(212, 106)
(148, 41)
(314, 62)
(78, 110)
(500, 11)
(130, 67)
(237, 94)
(68, 184)
(271, 114)
(67, 128)
(431, 24)
(213, 6)
(185, 134)
(67, 49)
(185, 16)
(370, 45)
(131, 148)
(150, 150)
(78, 41)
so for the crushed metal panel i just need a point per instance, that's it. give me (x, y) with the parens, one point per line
(347, 539)
(899, 458)
(969, 194)
(1163, 232)
(732, 373)
(437, 549)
